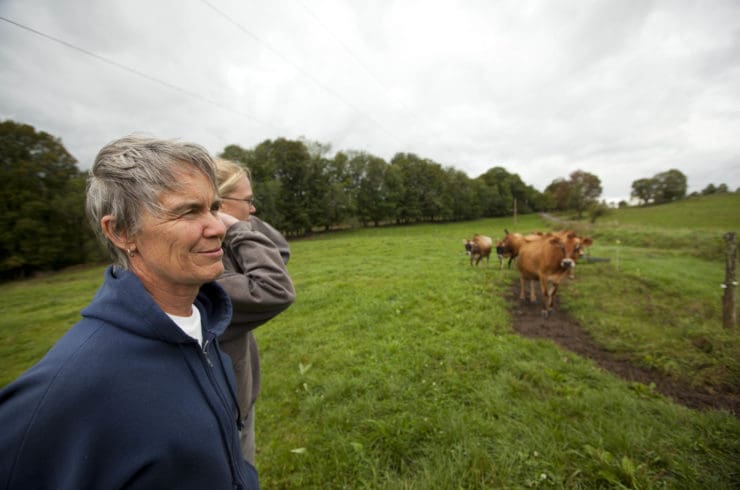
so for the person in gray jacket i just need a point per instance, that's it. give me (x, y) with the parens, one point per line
(257, 281)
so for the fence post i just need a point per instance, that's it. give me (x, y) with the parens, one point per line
(729, 315)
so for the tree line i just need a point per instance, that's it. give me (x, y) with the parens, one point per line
(298, 188)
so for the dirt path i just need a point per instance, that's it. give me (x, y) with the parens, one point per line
(566, 332)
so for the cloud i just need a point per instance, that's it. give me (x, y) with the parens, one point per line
(623, 90)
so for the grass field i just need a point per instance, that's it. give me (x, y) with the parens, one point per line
(397, 367)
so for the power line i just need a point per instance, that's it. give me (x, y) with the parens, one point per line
(346, 48)
(136, 72)
(357, 59)
(297, 67)
(343, 45)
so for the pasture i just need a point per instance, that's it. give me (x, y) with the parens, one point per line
(398, 368)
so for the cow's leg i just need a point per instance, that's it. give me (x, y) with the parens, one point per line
(532, 293)
(543, 290)
(521, 287)
(552, 288)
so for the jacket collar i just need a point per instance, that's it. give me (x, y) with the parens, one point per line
(123, 302)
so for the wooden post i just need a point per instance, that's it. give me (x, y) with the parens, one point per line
(729, 315)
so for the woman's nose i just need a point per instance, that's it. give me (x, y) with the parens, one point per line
(215, 226)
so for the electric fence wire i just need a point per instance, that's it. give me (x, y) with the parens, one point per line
(301, 70)
(139, 73)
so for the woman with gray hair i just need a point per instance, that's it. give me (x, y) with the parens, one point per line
(137, 394)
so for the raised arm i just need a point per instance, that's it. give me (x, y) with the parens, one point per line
(255, 276)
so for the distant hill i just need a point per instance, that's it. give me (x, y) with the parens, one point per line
(716, 212)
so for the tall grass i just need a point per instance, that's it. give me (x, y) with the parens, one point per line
(397, 368)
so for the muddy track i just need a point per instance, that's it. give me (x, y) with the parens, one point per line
(566, 332)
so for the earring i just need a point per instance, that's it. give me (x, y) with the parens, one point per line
(130, 253)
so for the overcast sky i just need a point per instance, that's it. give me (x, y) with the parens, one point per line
(622, 89)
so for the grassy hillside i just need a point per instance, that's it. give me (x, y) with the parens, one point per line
(397, 367)
(717, 212)
(695, 226)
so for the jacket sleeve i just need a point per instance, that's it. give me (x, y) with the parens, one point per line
(255, 276)
(273, 235)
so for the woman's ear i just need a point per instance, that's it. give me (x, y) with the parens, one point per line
(120, 240)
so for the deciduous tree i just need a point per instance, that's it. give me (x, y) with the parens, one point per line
(644, 190)
(670, 186)
(559, 193)
(42, 193)
(585, 189)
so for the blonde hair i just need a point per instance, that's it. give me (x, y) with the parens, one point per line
(228, 175)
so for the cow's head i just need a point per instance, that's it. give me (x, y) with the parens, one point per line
(581, 246)
(504, 246)
(572, 248)
(468, 246)
(501, 249)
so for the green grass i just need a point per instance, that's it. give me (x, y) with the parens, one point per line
(695, 226)
(711, 213)
(672, 320)
(658, 301)
(397, 367)
(35, 313)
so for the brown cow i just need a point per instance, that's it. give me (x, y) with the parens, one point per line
(502, 252)
(549, 260)
(479, 247)
(565, 233)
(511, 243)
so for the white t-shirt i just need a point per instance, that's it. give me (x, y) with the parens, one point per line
(190, 324)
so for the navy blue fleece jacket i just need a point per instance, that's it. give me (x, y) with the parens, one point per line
(125, 399)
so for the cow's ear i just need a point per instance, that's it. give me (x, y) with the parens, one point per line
(587, 242)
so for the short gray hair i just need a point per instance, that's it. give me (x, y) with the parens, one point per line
(128, 176)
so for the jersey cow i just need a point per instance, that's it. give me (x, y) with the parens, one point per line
(511, 243)
(502, 252)
(479, 247)
(549, 260)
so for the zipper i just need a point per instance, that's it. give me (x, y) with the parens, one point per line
(224, 407)
(205, 352)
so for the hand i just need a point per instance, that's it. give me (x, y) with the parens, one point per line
(227, 219)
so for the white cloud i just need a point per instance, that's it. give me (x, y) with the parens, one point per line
(622, 89)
